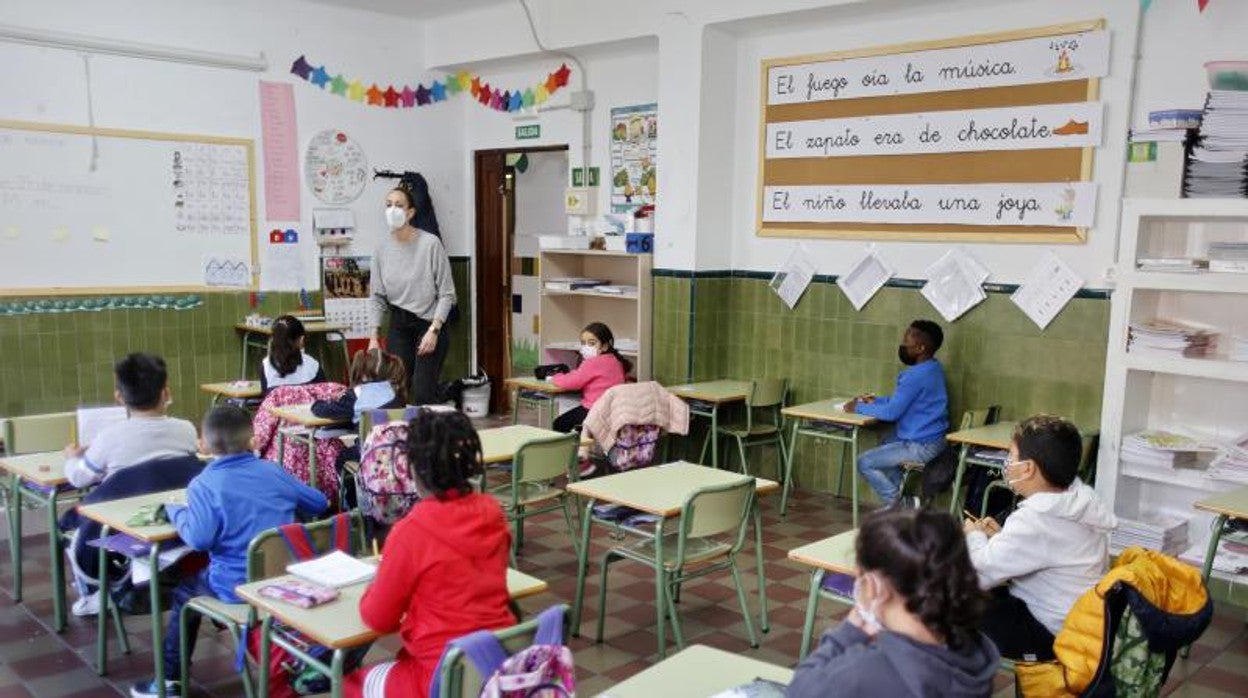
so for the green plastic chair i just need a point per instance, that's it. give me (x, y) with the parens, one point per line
(267, 556)
(762, 424)
(970, 420)
(533, 488)
(39, 432)
(697, 548)
(460, 679)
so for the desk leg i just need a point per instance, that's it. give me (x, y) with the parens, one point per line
(812, 605)
(281, 446)
(957, 481)
(660, 591)
(15, 534)
(582, 564)
(515, 406)
(335, 678)
(312, 459)
(242, 362)
(1215, 536)
(101, 640)
(266, 648)
(853, 466)
(158, 646)
(788, 469)
(762, 575)
(58, 566)
(714, 440)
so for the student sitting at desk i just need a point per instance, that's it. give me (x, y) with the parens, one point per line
(1052, 549)
(919, 407)
(602, 367)
(233, 500)
(286, 362)
(913, 628)
(378, 382)
(443, 572)
(148, 433)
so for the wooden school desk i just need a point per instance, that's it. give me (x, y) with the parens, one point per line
(232, 389)
(836, 555)
(825, 420)
(500, 444)
(337, 624)
(697, 670)
(996, 436)
(546, 392)
(114, 516)
(1225, 506)
(47, 471)
(706, 398)
(301, 415)
(660, 490)
(258, 337)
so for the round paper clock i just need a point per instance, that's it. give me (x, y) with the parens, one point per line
(335, 167)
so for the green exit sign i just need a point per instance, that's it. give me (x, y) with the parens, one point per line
(528, 131)
(578, 177)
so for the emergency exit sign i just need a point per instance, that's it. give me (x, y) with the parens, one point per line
(528, 132)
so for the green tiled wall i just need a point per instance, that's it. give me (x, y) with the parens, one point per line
(56, 362)
(992, 355)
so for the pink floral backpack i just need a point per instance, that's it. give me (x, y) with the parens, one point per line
(544, 669)
(295, 454)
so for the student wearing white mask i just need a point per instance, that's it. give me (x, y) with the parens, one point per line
(601, 368)
(1050, 551)
(913, 628)
(411, 281)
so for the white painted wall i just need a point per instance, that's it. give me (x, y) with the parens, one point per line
(143, 94)
(539, 199)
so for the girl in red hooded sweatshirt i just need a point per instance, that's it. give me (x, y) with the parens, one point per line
(443, 571)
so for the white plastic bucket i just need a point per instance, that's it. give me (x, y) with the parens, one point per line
(477, 400)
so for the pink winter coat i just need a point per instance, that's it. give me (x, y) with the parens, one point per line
(635, 403)
(296, 452)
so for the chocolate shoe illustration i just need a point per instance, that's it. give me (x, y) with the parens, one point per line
(1071, 128)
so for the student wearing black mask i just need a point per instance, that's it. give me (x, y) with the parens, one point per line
(919, 409)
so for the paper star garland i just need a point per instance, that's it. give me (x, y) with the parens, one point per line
(1203, 4)
(439, 90)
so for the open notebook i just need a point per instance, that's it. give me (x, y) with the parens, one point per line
(337, 569)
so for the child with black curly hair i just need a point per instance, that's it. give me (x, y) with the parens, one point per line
(912, 631)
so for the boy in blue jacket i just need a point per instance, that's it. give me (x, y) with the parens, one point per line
(919, 407)
(235, 498)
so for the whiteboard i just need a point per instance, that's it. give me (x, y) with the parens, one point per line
(85, 210)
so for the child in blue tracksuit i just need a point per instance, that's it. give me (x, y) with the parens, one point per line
(919, 407)
(235, 498)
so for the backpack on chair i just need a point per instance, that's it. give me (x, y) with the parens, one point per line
(544, 669)
(385, 484)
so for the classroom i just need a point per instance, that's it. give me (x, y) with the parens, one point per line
(737, 348)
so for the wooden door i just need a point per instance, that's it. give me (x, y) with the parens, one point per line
(493, 277)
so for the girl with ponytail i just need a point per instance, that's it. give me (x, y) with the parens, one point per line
(913, 628)
(286, 362)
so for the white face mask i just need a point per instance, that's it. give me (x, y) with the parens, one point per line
(869, 618)
(396, 217)
(1011, 481)
(588, 352)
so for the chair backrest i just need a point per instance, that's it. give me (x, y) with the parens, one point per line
(546, 459)
(459, 678)
(769, 394)
(268, 554)
(1087, 460)
(39, 432)
(716, 510)
(981, 417)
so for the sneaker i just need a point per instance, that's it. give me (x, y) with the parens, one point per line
(88, 605)
(148, 688)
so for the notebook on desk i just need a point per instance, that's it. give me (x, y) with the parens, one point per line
(337, 569)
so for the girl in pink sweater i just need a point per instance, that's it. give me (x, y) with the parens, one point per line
(601, 368)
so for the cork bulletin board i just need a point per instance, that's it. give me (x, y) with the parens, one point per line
(985, 138)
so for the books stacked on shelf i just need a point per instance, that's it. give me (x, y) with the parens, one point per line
(1171, 338)
(1163, 449)
(574, 283)
(1229, 257)
(1231, 558)
(617, 290)
(627, 344)
(1153, 531)
(1231, 463)
(1217, 166)
(1182, 265)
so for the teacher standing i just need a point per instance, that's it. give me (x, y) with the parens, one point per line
(411, 280)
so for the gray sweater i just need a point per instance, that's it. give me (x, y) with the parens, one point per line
(415, 276)
(848, 663)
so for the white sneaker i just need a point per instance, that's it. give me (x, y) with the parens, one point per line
(87, 605)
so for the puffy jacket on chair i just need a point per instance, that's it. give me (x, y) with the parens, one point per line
(635, 403)
(1128, 627)
(295, 456)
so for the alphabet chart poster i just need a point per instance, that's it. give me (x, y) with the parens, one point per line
(985, 138)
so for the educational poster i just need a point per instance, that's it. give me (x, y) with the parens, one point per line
(211, 189)
(634, 151)
(228, 271)
(278, 133)
(335, 168)
(345, 281)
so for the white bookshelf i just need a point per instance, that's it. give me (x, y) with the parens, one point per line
(1206, 396)
(565, 313)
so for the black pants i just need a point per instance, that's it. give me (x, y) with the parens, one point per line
(571, 419)
(406, 331)
(1016, 633)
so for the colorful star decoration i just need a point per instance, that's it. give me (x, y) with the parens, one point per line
(392, 97)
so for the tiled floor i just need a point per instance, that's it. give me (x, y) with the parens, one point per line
(36, 662)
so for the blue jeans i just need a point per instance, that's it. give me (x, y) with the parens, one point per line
(881, 466)
(188, 589)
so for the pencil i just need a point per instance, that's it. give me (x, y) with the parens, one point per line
(375, 553)
(971, 516)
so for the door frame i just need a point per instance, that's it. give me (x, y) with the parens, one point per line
(490, 165)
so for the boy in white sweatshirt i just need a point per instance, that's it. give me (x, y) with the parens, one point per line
(1052, 549)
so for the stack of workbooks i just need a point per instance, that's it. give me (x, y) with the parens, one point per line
(1188, 265)
(1238, 349)
(1153, 531)
(1163, 449)
(1218, 166)
(1231, 464)
(1229, 257)
(1231, 558)
(574, 283)
(1171, 338)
